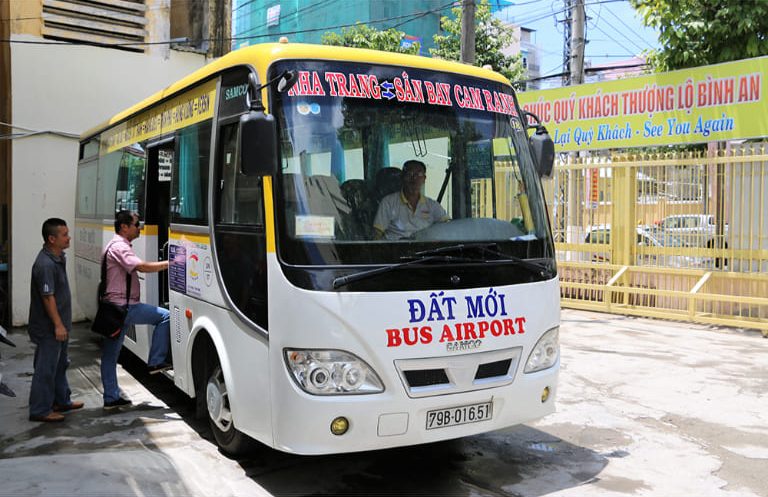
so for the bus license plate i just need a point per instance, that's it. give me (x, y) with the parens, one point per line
(452, 416)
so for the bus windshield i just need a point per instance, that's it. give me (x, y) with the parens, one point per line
(379, 163)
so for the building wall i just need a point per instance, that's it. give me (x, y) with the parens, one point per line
(524, 45)
(26, 16)
(69, 89)
(5, 157)
(304, 21)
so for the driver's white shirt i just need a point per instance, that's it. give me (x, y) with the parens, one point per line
(396, 220)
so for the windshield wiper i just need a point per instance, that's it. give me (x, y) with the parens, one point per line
(489, 249)
(351, 278)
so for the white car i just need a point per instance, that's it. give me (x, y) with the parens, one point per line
(645, 238)
(695, 230)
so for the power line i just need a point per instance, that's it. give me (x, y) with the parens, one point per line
(422, 15)
(622, 33)
(413, 15)
(587, 69)
(28, 132)
(613, 55)
(147, 43)
(613, 68)
(538, 17)
(639, 37)
(96, 44)
(614, 40)
(13, 19)
(242, 5)
(306, 10)
(40, 18)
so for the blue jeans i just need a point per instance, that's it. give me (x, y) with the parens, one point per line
(49, 381)
(158, 350)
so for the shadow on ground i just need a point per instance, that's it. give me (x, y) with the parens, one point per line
(520, 461)
(90, 451)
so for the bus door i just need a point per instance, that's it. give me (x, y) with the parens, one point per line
(160, 161)
(240, 229)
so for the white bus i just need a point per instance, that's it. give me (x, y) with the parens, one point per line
(292, 323)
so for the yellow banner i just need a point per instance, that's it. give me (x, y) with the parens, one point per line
(189, 108)
(704, 104)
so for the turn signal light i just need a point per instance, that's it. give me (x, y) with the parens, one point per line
(188, 313)
(544, 394)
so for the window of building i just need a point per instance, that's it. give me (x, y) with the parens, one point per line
(106, 22)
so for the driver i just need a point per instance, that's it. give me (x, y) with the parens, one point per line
(403, 213)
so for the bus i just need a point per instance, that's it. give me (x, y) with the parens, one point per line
(294, 323)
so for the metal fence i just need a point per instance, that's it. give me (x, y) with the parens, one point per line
(677, 236)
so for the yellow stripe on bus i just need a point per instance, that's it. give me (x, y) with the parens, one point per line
(147, 229)
(197, 238)
(184, 110)
(269, 213)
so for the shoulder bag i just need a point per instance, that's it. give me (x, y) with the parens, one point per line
(110, 317)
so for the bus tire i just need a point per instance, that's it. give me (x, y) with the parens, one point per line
(230, 440)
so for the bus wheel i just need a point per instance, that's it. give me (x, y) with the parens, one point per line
(231, 441)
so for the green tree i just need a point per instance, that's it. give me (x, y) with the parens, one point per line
(363, 36)
(491, 35)
(701, 32)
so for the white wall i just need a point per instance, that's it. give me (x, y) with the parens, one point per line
(71, 89)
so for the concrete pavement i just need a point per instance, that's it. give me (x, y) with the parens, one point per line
(645, 408)
(146, 450)
(677, 409)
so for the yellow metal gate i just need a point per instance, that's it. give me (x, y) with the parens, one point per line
(677, 236)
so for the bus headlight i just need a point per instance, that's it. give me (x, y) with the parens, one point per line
(331, 372)
(544, 355)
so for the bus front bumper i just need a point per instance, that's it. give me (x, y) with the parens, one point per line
(303, 423)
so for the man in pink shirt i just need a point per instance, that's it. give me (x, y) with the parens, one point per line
(123, 262)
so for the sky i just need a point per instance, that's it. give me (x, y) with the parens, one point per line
(614, 30)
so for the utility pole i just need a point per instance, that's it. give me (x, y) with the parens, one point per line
(577, 43)
(574, 56)
(468, 32)
(567, 42)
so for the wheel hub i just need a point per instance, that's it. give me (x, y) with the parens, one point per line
(214, 399)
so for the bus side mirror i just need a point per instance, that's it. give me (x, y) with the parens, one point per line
(542, 146)
(258, 144)
(543, 151)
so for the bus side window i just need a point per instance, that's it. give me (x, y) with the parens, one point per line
(239, 195)
(130, 179)
(86, 192)
(189, 179)
(239, 231)
(228, 180)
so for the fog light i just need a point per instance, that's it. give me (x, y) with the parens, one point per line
(339, 426)
(544, 394)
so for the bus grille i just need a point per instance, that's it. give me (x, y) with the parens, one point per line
(491, 369)
(460, 373)
(425, 377)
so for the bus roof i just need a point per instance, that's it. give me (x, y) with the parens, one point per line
(261, 56)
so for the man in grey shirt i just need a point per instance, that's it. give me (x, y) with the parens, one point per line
(50, 321)
(403, 213)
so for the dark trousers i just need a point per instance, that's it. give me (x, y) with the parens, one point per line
(49, 382)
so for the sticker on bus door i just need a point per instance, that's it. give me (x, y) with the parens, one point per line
(177, 268)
